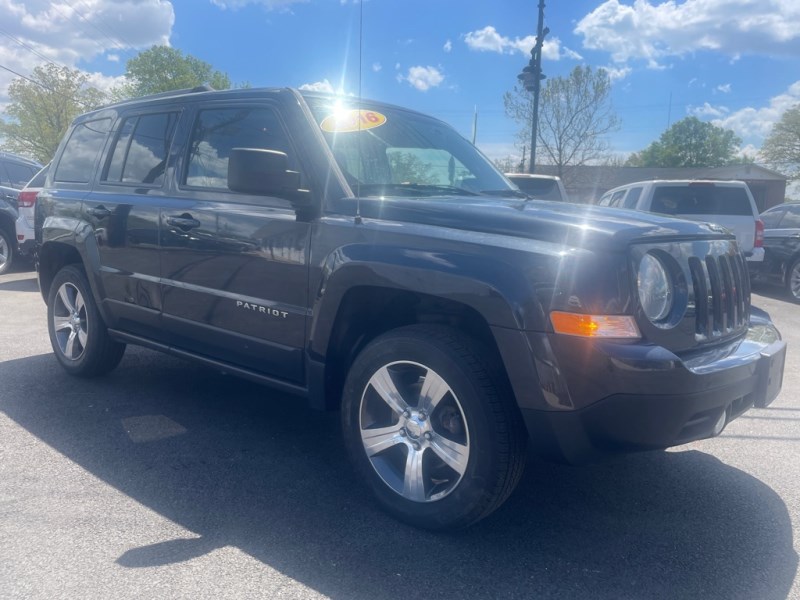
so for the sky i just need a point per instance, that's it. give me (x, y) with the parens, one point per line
(730, 62)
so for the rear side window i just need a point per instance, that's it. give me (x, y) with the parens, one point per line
(772, 218)
(633, 197)
(18, 174)
(217, 131)
(616, 199)
(791, 220)
(82, 150)
(701, 200)
(141, 149)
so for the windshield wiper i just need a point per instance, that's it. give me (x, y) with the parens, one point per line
(417, 188)
(506, 193)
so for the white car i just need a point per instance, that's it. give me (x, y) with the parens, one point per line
(726, 203)
(541, 187)
(26, 207)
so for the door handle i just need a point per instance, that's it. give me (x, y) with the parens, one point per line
(98, 211)
(184, 221)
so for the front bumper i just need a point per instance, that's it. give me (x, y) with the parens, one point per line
(606, 397)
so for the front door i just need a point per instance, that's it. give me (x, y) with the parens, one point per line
(234, 266)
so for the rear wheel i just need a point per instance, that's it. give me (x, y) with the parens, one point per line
(793, 281)
(78, 335)
(6, 251)
(431, 427)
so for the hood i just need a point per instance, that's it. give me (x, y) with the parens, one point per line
(574, 225)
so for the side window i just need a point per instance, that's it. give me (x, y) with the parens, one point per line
(80, 154)
(791, 220)
(632, 199)
(217, 131)
(616, 199)
(605, 200)
(141, 149)
(19, 175)
(772, 218)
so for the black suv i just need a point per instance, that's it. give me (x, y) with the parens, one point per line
(15, 172)
(369, 258)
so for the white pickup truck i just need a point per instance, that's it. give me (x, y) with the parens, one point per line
(726, 203)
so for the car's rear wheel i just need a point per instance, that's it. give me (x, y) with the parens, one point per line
(78, 334)
(431, 427)
(793, 281)
(6, 251)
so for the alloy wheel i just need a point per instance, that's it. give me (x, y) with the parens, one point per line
(70, 322)
(413, 431)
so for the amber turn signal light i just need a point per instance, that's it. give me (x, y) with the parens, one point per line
(595, 326)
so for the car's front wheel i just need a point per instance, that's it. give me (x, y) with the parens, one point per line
(793, 281)
(78, 334)
(6, 251)
(431, 427)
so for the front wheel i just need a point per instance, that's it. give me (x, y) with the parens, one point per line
(432, 428)
(78, 334)
(793, 281)
(6, 251)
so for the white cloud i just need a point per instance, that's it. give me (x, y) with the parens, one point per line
(396, 66)
(448, 46)
(754, 124)
(376, 66)
(423, 78)
(67, 36)
(724, 88)
(617, 73)
(707, 110)
(489, 40)
(112, 58)
(644, 31)
(319, 86)
(268, 4)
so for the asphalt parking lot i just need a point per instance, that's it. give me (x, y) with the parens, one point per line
(168, 480)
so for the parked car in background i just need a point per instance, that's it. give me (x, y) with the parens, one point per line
(15, 172)
(541, 187)
(781, 249)
(26, 207)
(726, 203)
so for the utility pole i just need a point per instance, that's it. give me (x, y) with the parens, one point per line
(531, 78)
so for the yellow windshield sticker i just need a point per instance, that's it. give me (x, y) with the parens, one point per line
(348, 121)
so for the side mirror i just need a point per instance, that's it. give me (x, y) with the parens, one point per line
(265, 172)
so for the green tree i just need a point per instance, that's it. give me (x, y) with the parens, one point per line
(781, 149)
(38, 114)
(408, 168)
(689, 143)
(575, 115)
(163, 69)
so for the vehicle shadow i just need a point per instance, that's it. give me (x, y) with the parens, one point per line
(241, 466)
(20, 285)
(770, 290)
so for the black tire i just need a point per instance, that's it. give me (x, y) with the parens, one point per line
(793, 281)
(78, 334)
(477, 398)
(7, 245)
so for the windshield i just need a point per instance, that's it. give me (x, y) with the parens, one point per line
(387, 151)
(543, 189)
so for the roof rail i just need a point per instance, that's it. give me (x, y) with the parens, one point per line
(200, 88)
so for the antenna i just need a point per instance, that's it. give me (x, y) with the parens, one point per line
(360, 156)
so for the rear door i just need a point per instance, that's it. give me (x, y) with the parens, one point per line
(123, 209)
(726, 204)
(782, 240)
(234, 266)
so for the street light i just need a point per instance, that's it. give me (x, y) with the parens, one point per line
(531, 79)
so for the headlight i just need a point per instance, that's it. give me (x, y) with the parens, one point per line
(655, 288)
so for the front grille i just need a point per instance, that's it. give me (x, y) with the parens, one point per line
(721, 294)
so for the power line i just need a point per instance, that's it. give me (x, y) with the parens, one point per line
(27, 47)
(116, 43)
